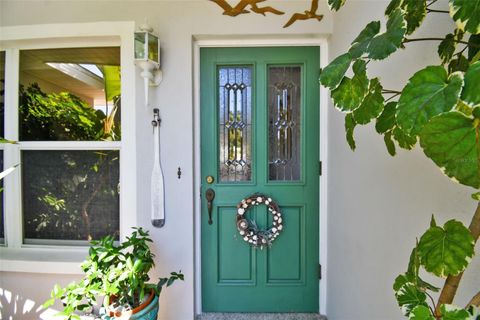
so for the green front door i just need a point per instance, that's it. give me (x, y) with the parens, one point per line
(260, 134)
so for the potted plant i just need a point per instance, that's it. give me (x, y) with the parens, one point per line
(119, 274)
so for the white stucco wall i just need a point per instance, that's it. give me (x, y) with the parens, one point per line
(377, 204)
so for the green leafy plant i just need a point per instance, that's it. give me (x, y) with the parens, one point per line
(439, 107)
(63, 116)
(113, 271)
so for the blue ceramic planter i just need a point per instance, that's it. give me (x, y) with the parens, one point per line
(148, 313)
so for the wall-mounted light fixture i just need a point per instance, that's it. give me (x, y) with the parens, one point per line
(147, 57)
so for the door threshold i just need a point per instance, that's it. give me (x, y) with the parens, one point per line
(260, 316)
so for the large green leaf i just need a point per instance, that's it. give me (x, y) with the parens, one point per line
(362, 41)
(409, 296)
(428, 93)
(332, 74)
(471, 89)
(372, 104)
(473, 46)
(459, 64)
(446, 251)
(412, 274)
(387, 138)
(410, 278)
(111, 75)
(379, 46)
(349, 128)
(400, 281)
(466, 14)
(415, 12)
(383, 45)
(421, 313)
(394, 4)
(447, 47)
(451, 312)
(404, 140)
(386, 121)
(450, 140)
(336, 4)
(350, 93)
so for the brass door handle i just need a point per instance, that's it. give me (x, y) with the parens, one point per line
(210, 195)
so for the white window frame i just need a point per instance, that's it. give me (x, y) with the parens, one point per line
(14, 254)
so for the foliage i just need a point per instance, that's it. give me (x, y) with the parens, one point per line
(60, 116)
(112, 270)
(439, 107)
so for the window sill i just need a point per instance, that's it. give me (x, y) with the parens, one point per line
(42, 260)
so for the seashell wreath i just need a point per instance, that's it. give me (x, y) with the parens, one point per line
(249, 230)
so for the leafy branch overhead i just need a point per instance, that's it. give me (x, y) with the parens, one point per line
(439, 107)
(418, 111)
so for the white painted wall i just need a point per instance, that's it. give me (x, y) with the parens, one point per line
(377, 204)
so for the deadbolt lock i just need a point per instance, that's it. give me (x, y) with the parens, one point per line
(210, 179)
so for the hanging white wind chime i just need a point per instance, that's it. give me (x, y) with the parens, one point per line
(147, 57)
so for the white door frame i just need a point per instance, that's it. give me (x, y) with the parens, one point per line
(302, 40)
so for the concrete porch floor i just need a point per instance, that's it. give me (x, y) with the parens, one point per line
(260, 316)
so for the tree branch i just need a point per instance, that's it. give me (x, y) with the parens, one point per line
(451, 284)
(431, 2)
(392, 97)
(390, 91)
(475, 301)
(441, 39)
(438, 11)
(433, 302)
(459, 53)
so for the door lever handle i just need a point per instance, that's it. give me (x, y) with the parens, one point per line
(210, 195)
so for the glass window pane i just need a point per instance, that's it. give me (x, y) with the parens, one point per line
(284, 105)
(152, 47)
(70, 195)
(140, 45)
(70, 94)
(235, 123)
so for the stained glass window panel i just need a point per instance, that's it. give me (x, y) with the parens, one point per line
(284, 112)
(235, 123)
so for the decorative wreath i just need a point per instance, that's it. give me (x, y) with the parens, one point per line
(249, 230)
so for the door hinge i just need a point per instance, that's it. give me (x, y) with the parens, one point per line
(319, 271)
(319, 168)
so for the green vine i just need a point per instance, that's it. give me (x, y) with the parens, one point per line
(439, 108)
